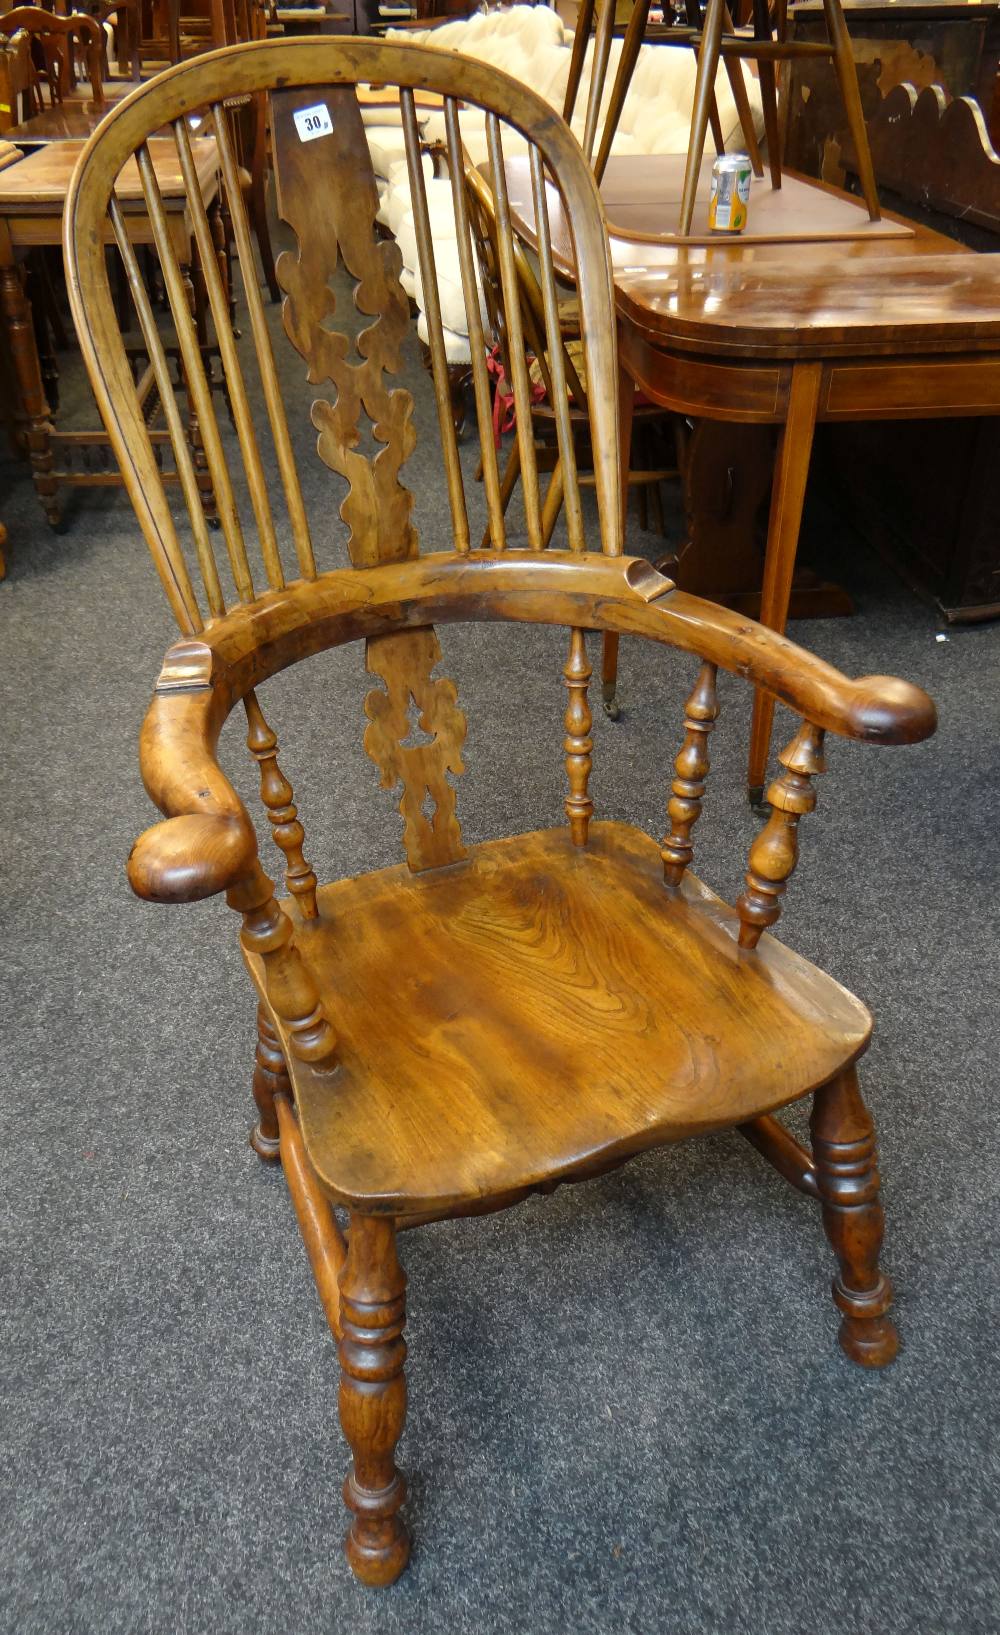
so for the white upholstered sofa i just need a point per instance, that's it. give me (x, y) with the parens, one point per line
(529, 42)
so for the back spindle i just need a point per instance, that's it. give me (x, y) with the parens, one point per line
(690, 771)
(775, 851)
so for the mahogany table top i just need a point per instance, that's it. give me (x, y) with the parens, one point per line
(917, 292)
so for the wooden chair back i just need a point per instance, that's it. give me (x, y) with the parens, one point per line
(531, 299)
(20, 91)
(322, 75)
(124, 14)
(51, 35)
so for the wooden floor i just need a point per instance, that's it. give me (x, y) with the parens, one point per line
(500, 1020)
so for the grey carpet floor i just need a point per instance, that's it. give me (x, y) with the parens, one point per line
(628, 1411)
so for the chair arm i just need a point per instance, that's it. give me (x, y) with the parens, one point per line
(208, 843)
(625, 594)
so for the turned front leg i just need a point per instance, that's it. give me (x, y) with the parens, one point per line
(270, 1079)
(847, 1181)
(373, 1397)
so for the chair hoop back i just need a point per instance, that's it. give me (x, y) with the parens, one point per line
(327, 194)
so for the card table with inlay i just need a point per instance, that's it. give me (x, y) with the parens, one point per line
(814, 314)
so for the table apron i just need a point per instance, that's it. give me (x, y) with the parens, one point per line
(32, 230)
(925, 388)
(716, 391)
(911, 389)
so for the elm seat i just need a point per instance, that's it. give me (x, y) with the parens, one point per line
(531, 977)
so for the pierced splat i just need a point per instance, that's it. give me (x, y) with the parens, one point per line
(327, 195)
(336, 168)
(418, 758)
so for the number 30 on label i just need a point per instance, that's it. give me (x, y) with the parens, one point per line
(313, 122)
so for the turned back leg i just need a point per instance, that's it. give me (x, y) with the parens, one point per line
(847, 1181)
(270, 1078)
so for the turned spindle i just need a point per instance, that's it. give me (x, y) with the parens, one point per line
(847, 1181)
(775, 851)
(690, 771)
(270, 1079)
(373, 1397)
(579, 744)
(277, 795)
(291, 991)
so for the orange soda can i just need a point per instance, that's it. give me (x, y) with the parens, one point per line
(729, 199)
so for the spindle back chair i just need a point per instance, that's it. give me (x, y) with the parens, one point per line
(448, 1035)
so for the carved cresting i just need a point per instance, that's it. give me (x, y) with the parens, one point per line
(327, 195)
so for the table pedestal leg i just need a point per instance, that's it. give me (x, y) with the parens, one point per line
(791, 471)
(24, 353)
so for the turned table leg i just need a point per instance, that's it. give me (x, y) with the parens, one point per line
(27, 372)
(373, 1397)
(847, 1182)
(791, 472)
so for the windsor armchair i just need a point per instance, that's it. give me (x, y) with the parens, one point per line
(448, 1035)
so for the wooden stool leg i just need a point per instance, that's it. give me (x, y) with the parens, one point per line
(788, 492)
(715, 126)
(704, 91)
(737, 84)
(843, 1140)
(373, 1397)
(768, 93)
(270, 1079)
(24, 355)
(847, 76)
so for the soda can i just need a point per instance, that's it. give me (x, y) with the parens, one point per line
(729, 200)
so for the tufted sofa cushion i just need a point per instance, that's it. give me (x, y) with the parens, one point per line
(530, 43)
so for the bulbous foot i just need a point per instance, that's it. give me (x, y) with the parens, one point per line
(266, 1147)
(867, 1335)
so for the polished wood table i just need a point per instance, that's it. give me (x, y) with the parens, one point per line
(62, 122)
(32, 198)
(788, 329)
